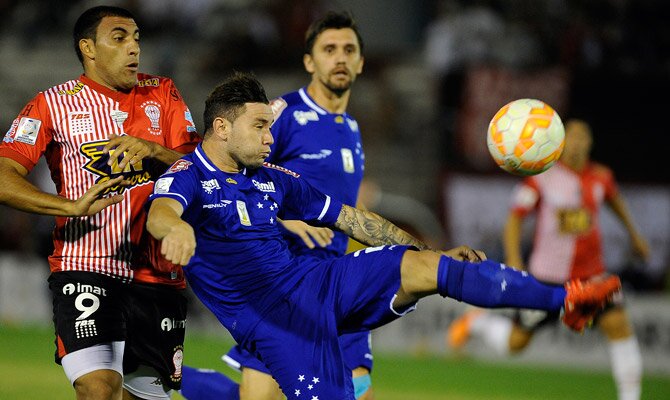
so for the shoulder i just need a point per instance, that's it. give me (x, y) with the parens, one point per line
(270, 167)
(601, 171)
(284, 104)
(69, 88)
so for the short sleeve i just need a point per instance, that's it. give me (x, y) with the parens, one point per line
(525, 197)
(304, 202)
(178, 183)
(29, 134)
(182, 134)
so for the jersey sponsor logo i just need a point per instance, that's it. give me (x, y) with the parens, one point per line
(168, 324)
(316, 156)
(278, 105)
(27, 130)
(347, 161)
(81, 122)
(152, 110)
(303, 117)
(70, 92)
(339, 119)
(264, 186)
(231, 181)
(163, 185)
(71, 288)
(210, 185)
(282, 169)
(85, 328)
(222, 204)
(574, 221)
(148, 82)
(189, 118)
(179, 165)
(97, 164)
(243, 213)
(353, 125)
(9, 136)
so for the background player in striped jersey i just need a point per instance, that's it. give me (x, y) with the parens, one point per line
(106, 136)
(315, 137)
(567, 245)
(217, 214)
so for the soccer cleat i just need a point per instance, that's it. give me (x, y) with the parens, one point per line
(459, 330)
(585, 299)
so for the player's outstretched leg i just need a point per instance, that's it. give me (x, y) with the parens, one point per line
(207, 384)
(490, 284)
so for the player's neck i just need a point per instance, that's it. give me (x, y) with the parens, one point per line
(221, 159)
(327, 99)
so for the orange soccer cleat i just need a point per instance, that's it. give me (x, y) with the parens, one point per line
(459, 330)
(585, 299)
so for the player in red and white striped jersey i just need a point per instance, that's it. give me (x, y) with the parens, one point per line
(106, 137)
(567, 245)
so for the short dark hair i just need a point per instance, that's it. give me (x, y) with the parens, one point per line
(88, 22)
(227, 100)
(332, 20)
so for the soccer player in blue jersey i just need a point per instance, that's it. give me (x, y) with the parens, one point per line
(215, 212)
(315, 137)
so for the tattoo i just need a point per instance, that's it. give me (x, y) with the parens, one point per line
(372, 229)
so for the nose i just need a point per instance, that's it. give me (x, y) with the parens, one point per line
(268, 138)
(134, 48)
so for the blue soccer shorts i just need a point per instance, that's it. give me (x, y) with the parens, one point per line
(299, 340)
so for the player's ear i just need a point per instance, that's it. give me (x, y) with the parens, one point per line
(308, 61)
(222, 128)
(87, 48)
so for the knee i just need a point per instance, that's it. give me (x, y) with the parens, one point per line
(615, 324)
(101, 384)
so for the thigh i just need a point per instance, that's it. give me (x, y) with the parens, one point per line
(366, 283)
(88, 310)
(156, 328)
(239, 359)
(299, 344)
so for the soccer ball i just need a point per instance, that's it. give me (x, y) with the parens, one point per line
(525, 137)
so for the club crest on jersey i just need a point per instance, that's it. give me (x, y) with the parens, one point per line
(210, 185)
(152, 110)
(264, 186)
(97, 164)
(177, 360)
(303, 117)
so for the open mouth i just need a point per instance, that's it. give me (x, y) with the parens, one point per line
(133, 66)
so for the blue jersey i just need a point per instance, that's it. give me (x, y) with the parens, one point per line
(241, 255)
(325, 149)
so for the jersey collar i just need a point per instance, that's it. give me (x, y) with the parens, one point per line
(310, 102)
(112, 94)
(208, 164)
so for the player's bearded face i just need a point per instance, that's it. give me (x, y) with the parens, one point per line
(251, 137)
(336, 59)
(117, 53)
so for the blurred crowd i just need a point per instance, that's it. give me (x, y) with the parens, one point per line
(612, 55)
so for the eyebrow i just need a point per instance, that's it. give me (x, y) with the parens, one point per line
(124, 30)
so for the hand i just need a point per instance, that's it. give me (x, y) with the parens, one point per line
(178, 246)
(133, 150)
(465, 253)
(322, 236)
(91, 203)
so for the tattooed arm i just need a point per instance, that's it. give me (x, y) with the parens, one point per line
(372, 229)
